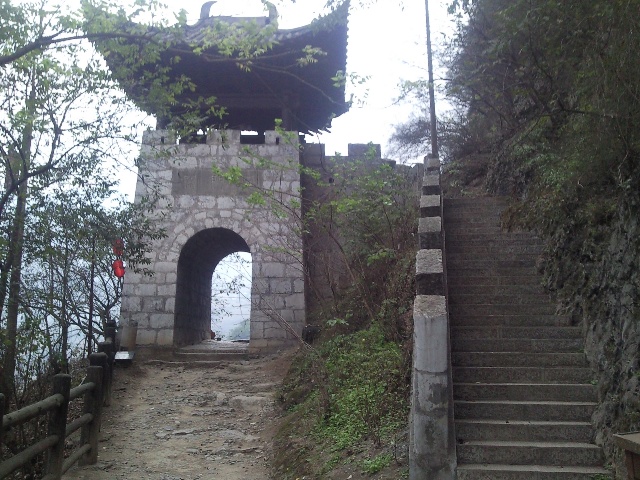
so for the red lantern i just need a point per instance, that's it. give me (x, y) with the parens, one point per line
(118, 247)
(118, 268)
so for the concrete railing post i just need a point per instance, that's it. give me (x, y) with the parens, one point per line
(432, 452)
(58, 425)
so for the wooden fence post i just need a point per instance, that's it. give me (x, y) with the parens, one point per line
(107, 379)
(92, 404)
(110, 332)
(101, 359)
(58, 425)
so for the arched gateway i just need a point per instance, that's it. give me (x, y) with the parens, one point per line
(198, 259)
(206, 218)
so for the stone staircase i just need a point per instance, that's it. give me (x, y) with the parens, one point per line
(522, 393)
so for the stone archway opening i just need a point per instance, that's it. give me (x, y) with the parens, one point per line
(198, 259)
(231, 297)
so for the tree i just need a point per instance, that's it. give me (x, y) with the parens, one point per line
(458, 135)
(62, 119)
(537, 83)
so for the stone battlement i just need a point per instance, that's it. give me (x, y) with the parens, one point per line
(218, 137)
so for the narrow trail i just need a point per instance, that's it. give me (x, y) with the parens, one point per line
(189, 420)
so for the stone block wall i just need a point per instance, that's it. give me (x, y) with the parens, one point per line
(207, 218)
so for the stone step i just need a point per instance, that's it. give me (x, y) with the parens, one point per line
(526, 261)
(486, 251)
(483, 199)
(501, 309)
(464, 280)
(474, 252)
(470, 222)
(479, 209)
(490, 290)
(507, 332)
(530, 453)
(530, 472)
(189, 364)
(476, 202)
(479, 230)
(518, 359)
(467, 430)
(510, 374)
(489, 216)
(463, 298)
(571, 411)
(525, 392)
(495, 236)
(505, 239)
(511, 320)
(516, 345)
(240, 354)
(497, 258)
(523, 398)
(486, 275)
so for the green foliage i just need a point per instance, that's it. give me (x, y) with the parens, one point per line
(549, 84)
(333, 322)
(350, 391)
(377, 463)
(370, 215)
(366, 397)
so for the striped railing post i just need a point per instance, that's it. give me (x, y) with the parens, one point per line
(432, 452)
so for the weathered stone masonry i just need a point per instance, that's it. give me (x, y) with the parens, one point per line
(206, 219)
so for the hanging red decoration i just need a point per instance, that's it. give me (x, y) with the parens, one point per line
(118, 247)
(118, 268)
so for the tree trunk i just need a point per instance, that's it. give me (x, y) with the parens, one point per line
(16, 248)
(63, 313)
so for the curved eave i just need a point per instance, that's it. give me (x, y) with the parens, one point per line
(309, 90)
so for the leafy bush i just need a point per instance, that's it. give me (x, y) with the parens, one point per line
(366, 394)
(376, 464)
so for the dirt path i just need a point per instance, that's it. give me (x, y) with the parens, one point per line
(177, 421)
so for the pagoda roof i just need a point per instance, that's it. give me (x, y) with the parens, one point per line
(254, 88)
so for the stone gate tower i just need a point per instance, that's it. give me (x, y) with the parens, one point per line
(207, 218)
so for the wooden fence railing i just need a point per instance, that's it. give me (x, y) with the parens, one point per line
(96, 390)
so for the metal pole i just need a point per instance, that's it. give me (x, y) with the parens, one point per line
(432, 100)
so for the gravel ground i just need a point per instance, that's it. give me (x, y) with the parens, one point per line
(189, 420)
